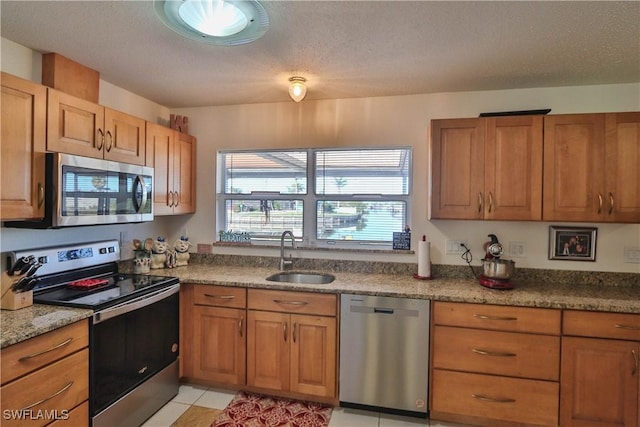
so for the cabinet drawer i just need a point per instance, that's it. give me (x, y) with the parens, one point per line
(293, 302)
(220, 296)
(500, 353)
(32, 354)
(498, 317)
(56, 388)
(493, 397)
(601, 325)
(78, 417)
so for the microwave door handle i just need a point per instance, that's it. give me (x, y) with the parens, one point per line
(143, 187)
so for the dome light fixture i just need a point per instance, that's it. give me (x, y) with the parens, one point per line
(297, 88)
(219, 22)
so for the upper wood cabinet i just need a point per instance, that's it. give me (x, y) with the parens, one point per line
(487, 168)
(592, 167)
(172, 155)
(80, 127)
(23, 118)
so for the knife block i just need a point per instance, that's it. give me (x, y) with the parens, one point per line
(11, 300)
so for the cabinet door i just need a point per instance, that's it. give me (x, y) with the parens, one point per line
(457, 169)
(74, 126)
(219, 344)
(24, 108)
(184, 178)
(313, 355)
(513, 168)
(124, 137)
(622, 172)
(268, 336)
(599, 383)
(574, 167)
(159, 155)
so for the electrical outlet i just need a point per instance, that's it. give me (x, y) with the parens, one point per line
(453, 247)
(517, 249)
(631, 254)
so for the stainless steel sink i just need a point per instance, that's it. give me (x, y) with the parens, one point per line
(306, 278)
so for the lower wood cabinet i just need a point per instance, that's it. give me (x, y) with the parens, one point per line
(45, 380)
(600, 370)
(292, 342)
(214, 334)
(271, 341)
(289, 352)
(495, 365)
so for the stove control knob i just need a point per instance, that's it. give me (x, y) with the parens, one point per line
(103, 251)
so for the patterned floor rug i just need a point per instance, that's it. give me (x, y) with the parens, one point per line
(255, 410)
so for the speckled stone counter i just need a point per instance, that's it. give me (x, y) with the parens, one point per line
(616, 298)
(29, 322)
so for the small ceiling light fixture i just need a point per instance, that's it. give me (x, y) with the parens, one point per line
(297, 88)
(219, 22)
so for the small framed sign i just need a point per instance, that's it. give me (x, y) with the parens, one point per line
(572, 243)
(402, 240)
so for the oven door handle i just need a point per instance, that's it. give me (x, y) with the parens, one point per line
(134, 304)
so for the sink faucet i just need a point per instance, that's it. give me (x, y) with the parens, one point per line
(289, 261)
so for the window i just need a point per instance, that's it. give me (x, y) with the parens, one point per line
(326, 197)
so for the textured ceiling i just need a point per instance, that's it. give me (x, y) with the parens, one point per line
(343, 48)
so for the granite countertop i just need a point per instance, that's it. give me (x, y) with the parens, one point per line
(547, 294)
(29, 322)
(20, 325)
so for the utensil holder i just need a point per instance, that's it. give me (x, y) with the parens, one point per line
(11, 300)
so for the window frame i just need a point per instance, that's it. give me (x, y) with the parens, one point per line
(310, 199)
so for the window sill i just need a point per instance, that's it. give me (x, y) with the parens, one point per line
(368, 250)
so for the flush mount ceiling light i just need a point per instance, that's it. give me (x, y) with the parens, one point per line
(297, 88)
(219, 22)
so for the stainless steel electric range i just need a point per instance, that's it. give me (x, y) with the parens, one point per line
(133, 333)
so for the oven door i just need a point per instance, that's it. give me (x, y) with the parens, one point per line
(130, 343)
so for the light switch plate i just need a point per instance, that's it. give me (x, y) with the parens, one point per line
(631, 254)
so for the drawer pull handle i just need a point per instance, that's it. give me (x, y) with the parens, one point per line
(622, 326)
(493, 353)
(491, 399)
(635, 360)
(240, 325)
(485, 317)
(40, 353)
(220, 296)
(282, 301)
(62, 390)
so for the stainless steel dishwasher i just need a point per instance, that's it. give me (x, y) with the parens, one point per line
(384, 354)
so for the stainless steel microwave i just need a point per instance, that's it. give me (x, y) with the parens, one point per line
(86, 191)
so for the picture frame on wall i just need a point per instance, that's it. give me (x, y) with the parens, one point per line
(572, 243)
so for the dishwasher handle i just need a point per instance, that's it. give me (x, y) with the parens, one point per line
(403, 312)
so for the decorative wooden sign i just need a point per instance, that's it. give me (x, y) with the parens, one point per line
(179, 123)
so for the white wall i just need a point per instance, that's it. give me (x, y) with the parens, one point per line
(404, 120)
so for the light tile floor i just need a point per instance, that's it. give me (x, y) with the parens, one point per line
(218, 399)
